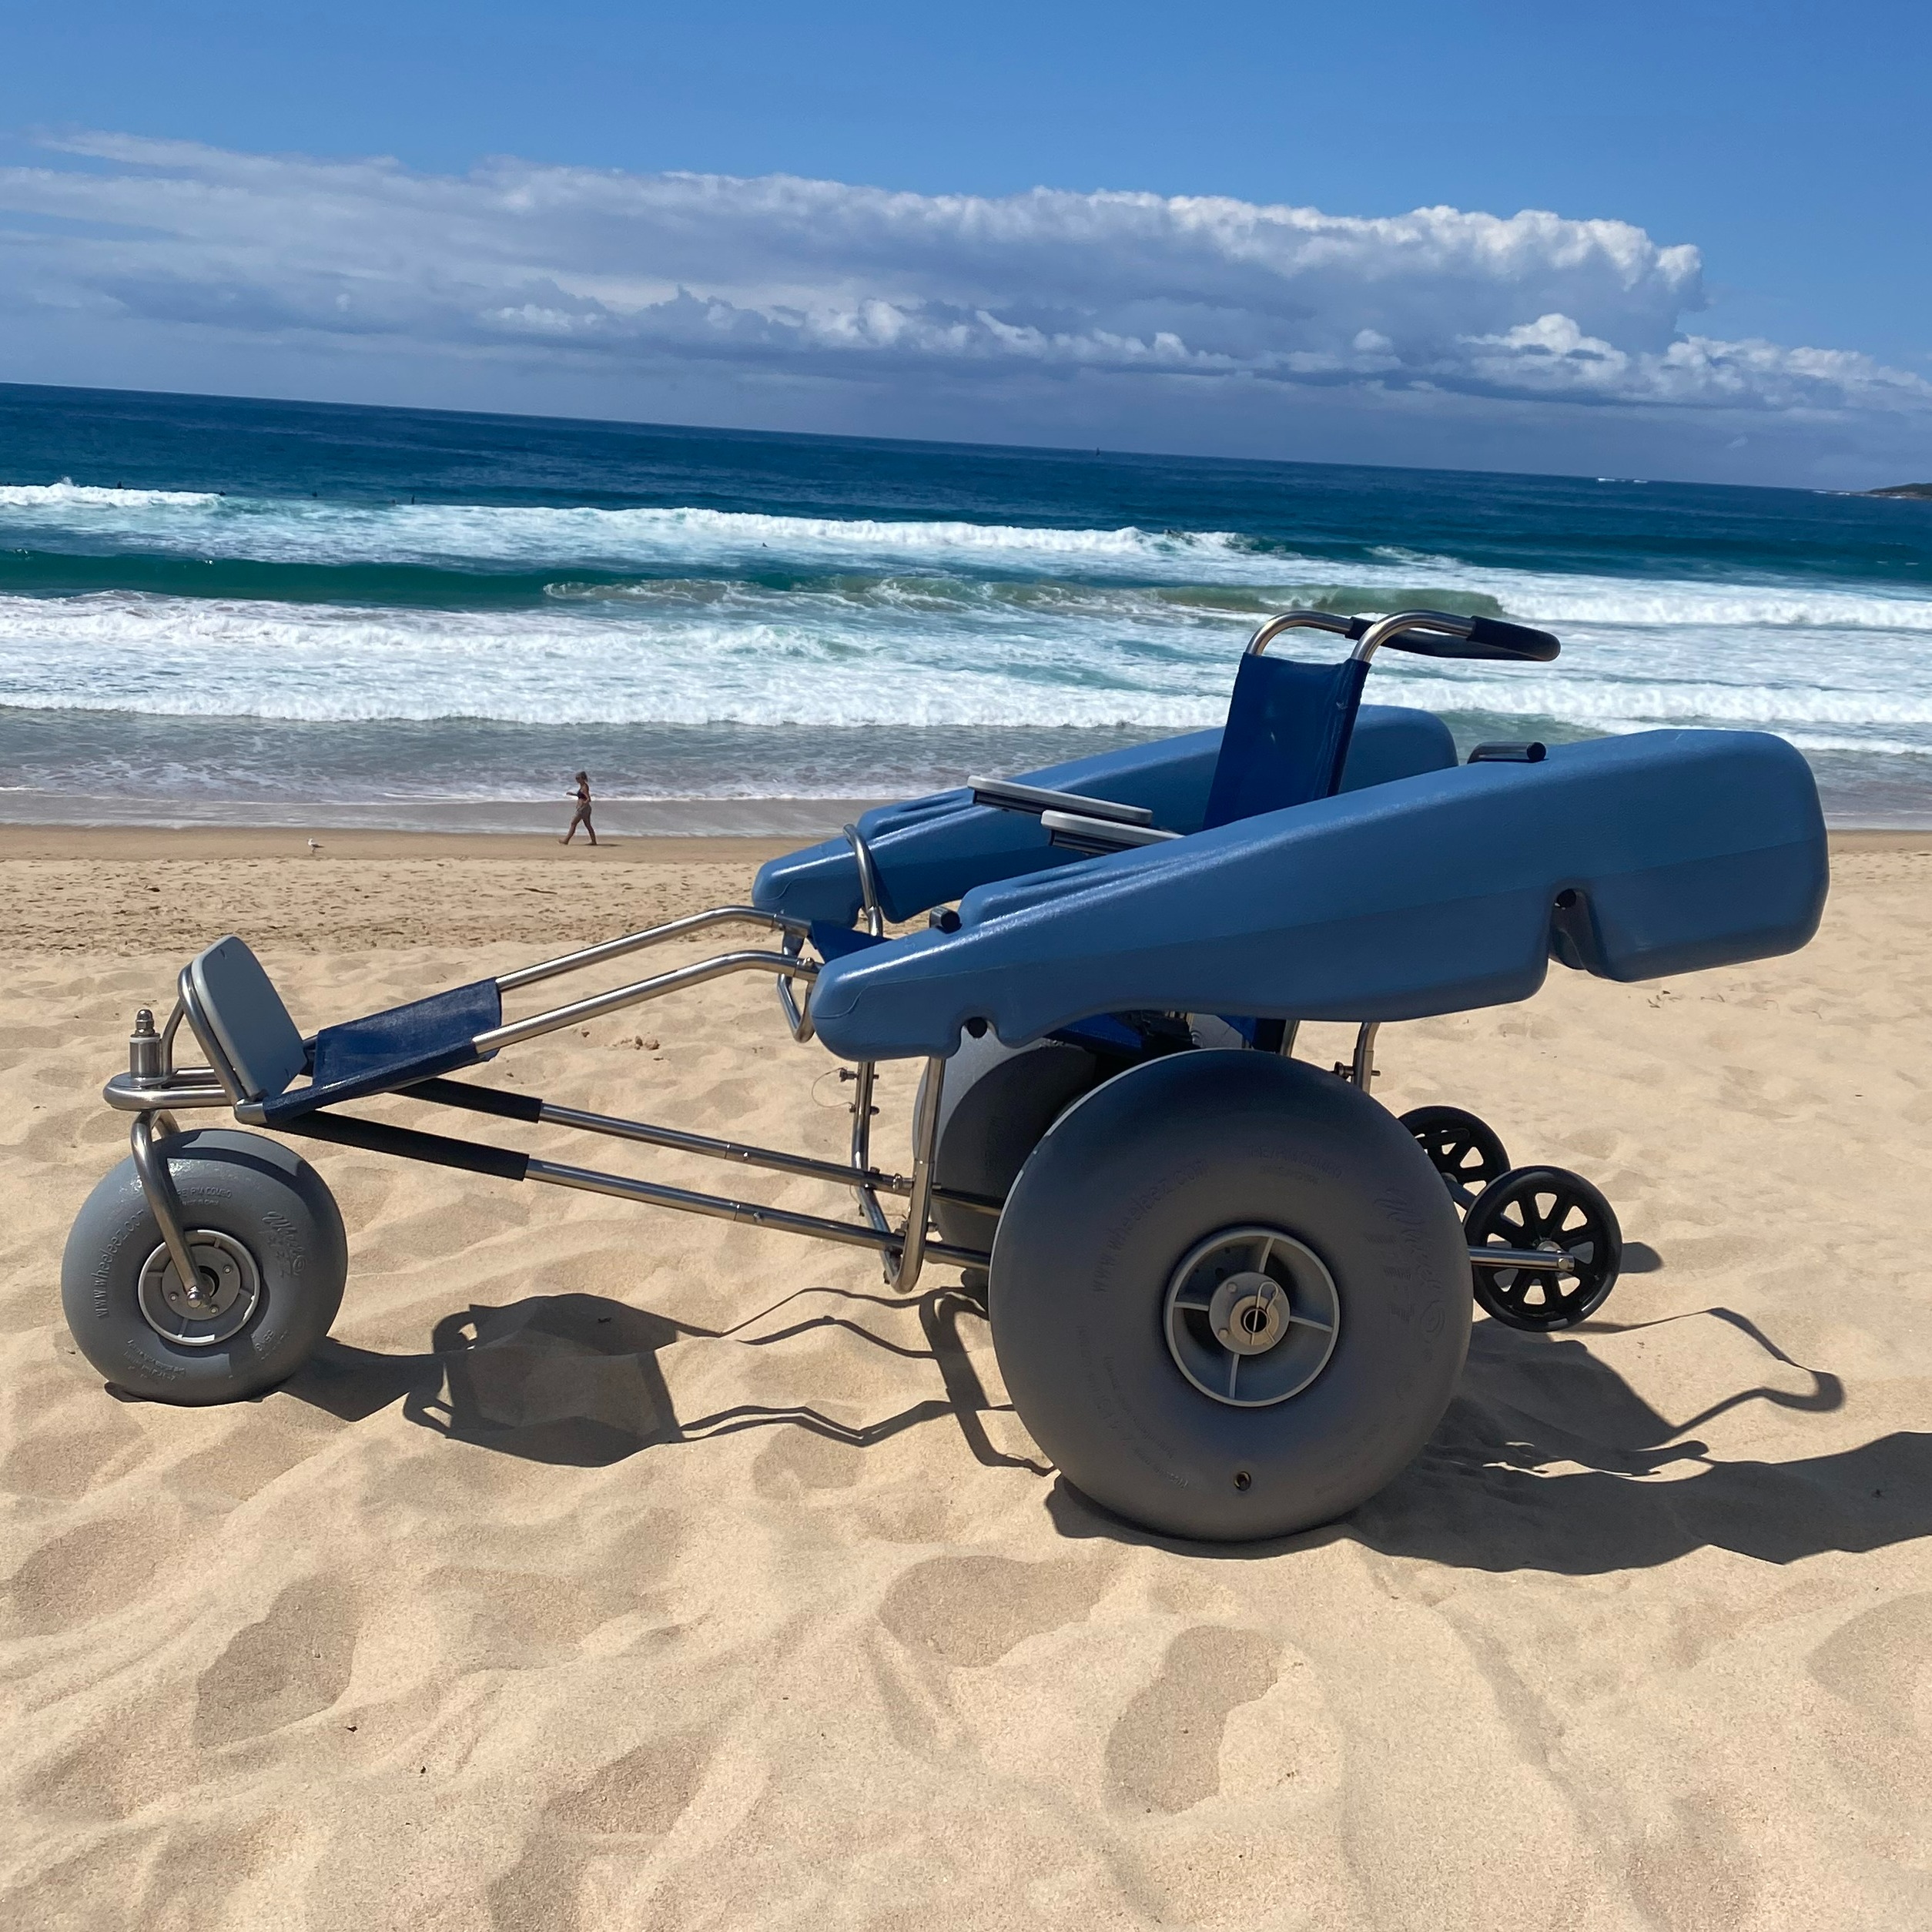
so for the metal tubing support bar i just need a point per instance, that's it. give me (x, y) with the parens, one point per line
(1362, 1072)
(125, 1097)
(1385, 630)
(797, 1018)
(652, 935)
(902, 1275)
(158, 1189)
(1520, 1257)
(868, 881)
(774, 1158)
(695, 975)
(1339, 627)
(168, 1039)
(817, 1226)
(864, 1075)
(864, 1082)
(218, 1064)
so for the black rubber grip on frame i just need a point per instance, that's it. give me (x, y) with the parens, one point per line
(437, 1149)
(476, 1100)
(1494, 637)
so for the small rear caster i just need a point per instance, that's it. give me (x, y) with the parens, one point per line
(1560, 1213)
(1467, 1152)
(269, 1253)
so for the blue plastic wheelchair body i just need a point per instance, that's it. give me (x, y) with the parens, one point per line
(1223, 1285)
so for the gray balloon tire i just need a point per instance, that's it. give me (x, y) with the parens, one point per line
(261, 1194)
(996, 1102)
(1125, 1185)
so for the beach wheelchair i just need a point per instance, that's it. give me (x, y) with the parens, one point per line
(1230, 1295)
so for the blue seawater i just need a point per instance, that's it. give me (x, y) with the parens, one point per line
(301, 613)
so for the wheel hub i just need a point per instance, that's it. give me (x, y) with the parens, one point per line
(1252, 1316)
(1249, 1313)
(212, 1308)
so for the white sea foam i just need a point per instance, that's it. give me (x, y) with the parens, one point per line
(799, 625)
(65, 497)
(808, 660)
(701, 540)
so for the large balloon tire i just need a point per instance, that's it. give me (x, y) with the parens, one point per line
(1146, 1171)
(248, 1205)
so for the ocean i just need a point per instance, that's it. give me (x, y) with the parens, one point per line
(264, 613)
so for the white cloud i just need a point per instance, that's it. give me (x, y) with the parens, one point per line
(779, 276)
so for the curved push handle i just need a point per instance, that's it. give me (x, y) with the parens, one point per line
(1353, 628)
(1440, 634)
(1494, 638)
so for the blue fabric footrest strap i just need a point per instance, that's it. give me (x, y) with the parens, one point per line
(393, 1049)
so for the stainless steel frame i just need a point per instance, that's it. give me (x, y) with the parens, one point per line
(1339, 626)
(1386, 630)
(153, 1088)
(1369, 635)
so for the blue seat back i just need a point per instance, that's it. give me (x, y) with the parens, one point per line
(1287, 737)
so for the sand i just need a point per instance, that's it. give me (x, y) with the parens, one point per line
(614, 1569)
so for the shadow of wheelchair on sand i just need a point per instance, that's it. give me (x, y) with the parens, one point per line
(1540, 1464)
(1547, 1460)
(574, 1379)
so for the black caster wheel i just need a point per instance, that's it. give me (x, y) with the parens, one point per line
(267, 1241)
(1551, 1209)
(1467, 1152)
(1229, 1296)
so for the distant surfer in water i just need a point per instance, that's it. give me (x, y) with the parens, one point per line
(581, 816)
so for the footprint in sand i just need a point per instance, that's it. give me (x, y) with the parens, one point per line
(91, 1570)
(972, 1610)
(800, 1460)
(1164, 1752)
(73, 1441)
(622, 1812)
(1877, 1663)
(1695, 1870)
(294, 1662)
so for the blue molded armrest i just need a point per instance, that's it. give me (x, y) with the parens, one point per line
(935, 849)
(1629, 858)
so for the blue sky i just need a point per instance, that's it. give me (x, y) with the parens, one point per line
(1772, 161)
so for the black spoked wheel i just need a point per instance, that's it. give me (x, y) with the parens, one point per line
(1552, 1211)
(1465, 1150)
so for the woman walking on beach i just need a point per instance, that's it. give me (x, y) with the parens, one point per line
(581, 816)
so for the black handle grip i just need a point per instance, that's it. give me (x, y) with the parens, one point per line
(1486, 637)
(1490, 636)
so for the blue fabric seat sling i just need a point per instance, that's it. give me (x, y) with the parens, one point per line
(1289, 726)
(1287, 737)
